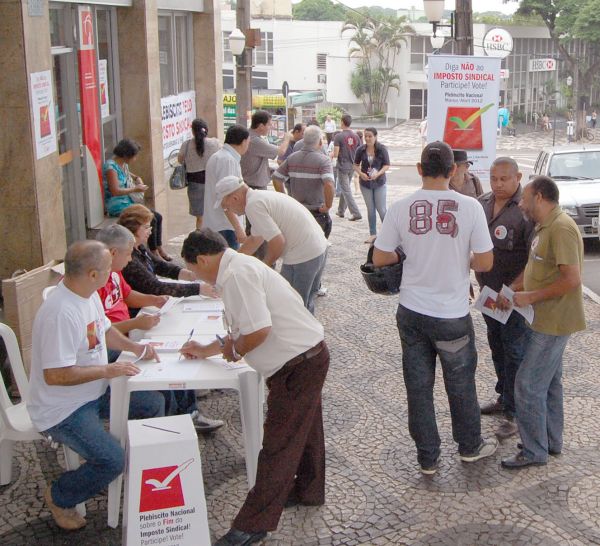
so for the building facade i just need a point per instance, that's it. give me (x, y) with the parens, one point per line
(79, 76)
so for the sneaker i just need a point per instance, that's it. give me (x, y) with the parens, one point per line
(430, 469)
(507, 429)
(492, 407)
(205, 424)
(66, 518)
(487, 447)
(355, 218)
(322, 291)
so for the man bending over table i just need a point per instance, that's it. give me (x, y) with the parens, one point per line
(69, 392)
(117, 296)
(281, 340)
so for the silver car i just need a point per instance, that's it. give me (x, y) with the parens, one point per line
(576, 171)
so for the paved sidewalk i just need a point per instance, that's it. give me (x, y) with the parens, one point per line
(375, 493)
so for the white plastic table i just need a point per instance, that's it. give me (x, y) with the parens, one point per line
(173, 374)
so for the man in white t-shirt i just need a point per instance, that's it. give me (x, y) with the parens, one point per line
(443, 234)
(280, 339)
(69, 380)
(288, 227)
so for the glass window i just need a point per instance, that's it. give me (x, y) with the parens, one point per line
(263, 54)
(228, 79)
(227, 55)
(260, 80)
(174, 49)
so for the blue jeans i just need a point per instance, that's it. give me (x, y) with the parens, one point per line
(346, 197)
(230, 237)
(507, 343)
(305, 278)
(180, 402)
(539, 395)
(83, 431)
(453, 340)
(375, 201)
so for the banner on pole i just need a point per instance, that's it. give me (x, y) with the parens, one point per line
(462, 106)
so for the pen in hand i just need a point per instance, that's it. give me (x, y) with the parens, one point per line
(187, 341)
(221, 340)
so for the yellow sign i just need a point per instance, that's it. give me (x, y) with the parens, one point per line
(258, 101)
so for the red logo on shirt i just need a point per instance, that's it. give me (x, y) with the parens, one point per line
(161, 487)
(92, 335)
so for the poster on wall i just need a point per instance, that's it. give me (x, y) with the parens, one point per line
(103, 80)
(42, 103)
(462, 106)
(177, 114)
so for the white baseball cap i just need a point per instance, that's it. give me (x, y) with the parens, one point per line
(225, 186)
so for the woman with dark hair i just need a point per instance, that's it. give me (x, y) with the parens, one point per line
(118, 196)
(195, 153)
(371, 163)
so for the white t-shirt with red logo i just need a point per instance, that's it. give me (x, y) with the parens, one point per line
(437, 230)
(68, 330)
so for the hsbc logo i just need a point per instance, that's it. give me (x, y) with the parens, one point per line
(542, 65)
(497, 38)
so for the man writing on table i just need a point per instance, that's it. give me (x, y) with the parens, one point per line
(277, 336)
(69, 380)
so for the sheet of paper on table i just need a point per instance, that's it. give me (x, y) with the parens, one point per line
(171, 302)
(207, 307)
(229, 365)
(165, 345)
(527, 312)
(486, 304)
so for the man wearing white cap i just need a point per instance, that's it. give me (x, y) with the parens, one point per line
(290, 230)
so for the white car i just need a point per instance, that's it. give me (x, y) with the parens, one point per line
(576, 171)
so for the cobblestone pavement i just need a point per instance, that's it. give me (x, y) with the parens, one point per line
(405, 147)
(375, 493)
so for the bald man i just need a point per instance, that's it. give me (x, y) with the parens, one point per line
(69, 393)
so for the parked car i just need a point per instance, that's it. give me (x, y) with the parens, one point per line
(576, 171)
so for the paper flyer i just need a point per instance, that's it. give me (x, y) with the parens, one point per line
(42, 104)
(486, 304)
(527, 312)
(103, 79)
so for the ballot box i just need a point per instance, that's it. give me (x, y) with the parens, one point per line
(164, 492)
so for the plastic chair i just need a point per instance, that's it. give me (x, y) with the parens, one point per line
(15, 423)
(46, 292)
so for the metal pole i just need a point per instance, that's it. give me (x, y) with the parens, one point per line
(554, 125)
(243, 87)
(464, 27)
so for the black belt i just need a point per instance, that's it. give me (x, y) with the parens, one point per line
(198, 177)
(306, 355)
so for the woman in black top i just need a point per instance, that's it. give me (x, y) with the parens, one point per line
(141, 272)
(371, 163)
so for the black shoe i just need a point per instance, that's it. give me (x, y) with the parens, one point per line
(235, 537)
(340, 214)
(355, 218)
(518, 461)
(550, 451)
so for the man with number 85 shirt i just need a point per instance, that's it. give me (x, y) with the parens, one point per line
(443, 234)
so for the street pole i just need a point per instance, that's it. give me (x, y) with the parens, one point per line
(464, 27)
(243, 69)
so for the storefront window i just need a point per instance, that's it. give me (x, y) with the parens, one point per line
(175, 47)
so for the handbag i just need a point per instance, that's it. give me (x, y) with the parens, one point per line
(178, 178)
(136, 196)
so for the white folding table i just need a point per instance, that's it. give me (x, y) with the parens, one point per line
(174, 374)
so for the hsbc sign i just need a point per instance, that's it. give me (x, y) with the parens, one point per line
(542, 65)
(498, 43)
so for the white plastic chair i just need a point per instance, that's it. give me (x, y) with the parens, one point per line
(46, 292)
(15, 423)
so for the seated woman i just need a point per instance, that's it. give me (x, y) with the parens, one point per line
(141, 272)
(117, 196)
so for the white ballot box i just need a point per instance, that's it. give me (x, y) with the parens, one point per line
(164, 492)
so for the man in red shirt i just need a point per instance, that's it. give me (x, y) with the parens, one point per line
(117, 296)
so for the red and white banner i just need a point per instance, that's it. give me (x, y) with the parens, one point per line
(42, 104)
(177, 114)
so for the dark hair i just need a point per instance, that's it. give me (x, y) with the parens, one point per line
(437, 160)
(313, 122)
(373, 131)
(236, 134)
(297, 128)
(546, 187)
(202, 242)
(347, 120)
(127, 148)
(199, 130)
(260, 117)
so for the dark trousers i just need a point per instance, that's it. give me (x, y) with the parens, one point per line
(155, 239)
(292, 459)
(230, 237)
(507, 343)
(324, 220)
(453, 340)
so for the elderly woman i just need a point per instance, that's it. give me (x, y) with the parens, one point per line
(118, 195)
(141, 272)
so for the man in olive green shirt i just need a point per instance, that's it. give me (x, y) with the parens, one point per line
(552, 284)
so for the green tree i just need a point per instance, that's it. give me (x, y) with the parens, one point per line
(568, 21)
(318, 10)
(376, 43)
